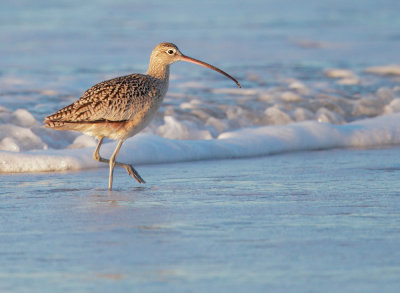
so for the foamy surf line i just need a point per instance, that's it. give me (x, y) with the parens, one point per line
(248, 142)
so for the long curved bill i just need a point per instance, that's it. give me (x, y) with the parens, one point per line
(198, 62)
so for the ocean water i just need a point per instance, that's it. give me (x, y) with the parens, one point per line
(320, 221)
(313, 134)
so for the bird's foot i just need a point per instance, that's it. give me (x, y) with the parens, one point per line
(133, 173)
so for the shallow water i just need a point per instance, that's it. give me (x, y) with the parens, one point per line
(300, 222)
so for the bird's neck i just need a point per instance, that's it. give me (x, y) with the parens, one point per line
(159, 71)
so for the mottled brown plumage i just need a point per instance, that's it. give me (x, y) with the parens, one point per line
(117, 100)
(121, 107)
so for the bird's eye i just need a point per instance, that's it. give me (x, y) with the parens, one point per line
(170, 52)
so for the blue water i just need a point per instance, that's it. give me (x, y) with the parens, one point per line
(313, 221)
(74, 34)
(322, 221)
(67, 46)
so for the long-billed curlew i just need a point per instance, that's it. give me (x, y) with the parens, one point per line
(121, 107)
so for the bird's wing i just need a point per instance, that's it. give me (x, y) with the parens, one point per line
(117, 99)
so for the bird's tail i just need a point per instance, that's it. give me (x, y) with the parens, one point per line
(58, 125)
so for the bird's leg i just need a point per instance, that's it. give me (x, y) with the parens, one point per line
(112, 163)
(96, 154)
(131, 171)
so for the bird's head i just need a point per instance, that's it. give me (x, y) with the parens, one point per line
(167, 53)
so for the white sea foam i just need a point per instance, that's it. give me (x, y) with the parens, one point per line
(339, 73)
(384, 70)
(247, 142)
(207, 122)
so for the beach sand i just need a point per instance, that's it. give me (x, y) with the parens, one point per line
(316, 221)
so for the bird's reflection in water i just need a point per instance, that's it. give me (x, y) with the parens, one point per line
(120, 198)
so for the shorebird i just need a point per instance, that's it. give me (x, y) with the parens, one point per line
(121, 107)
